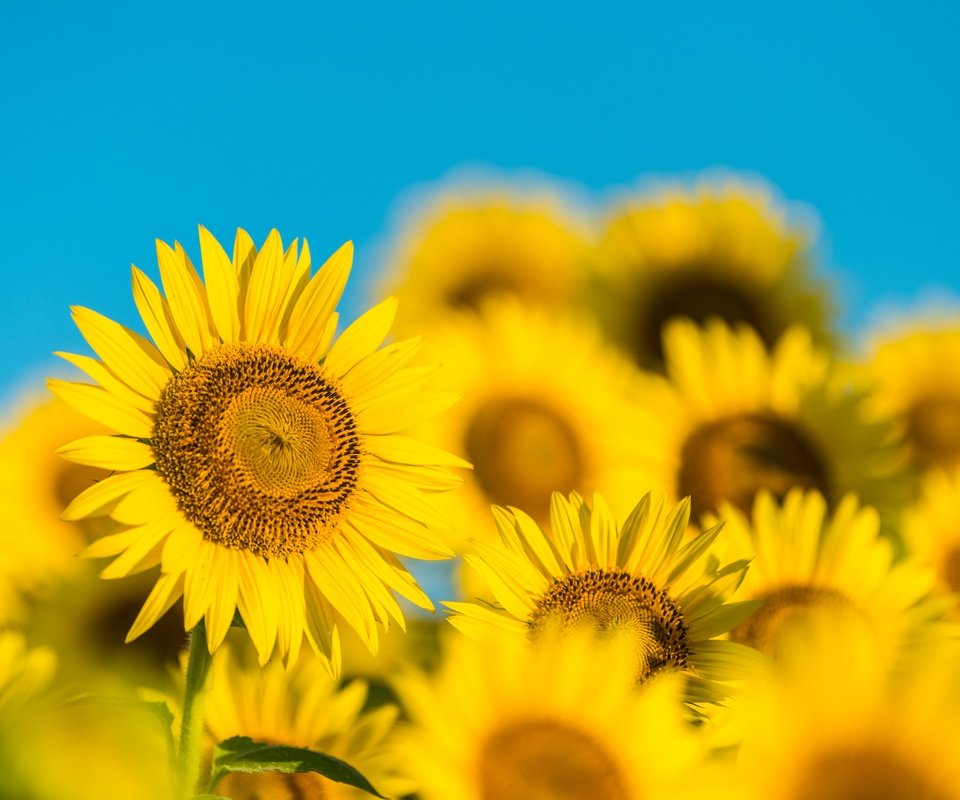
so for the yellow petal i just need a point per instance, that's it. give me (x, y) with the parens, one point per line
(223, 288)
(142, 554)
(398, 412)
(98, 371)
(109, 452)
(102, 406)
(223, 599)
(403, 450)
(180, 549)
(164, 594)
(96, 500)
(268, 286)
(187, 302)
(312, 310)
(257, 603)
(200, 584)
(155, 313)
(371, 372)
(364, 336)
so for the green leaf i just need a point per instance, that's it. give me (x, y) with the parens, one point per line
(242, 754)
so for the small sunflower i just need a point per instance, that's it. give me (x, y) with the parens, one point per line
(931, 531)
(257, 461)
(300, 707)
(734, 418)
(806, 562)
(467, 246)
(722, 252)
(916, 379)
(842, 722)
(505, 722)
(529, 426)
(637, 580)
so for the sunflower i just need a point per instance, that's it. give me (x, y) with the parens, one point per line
(35, 488)
(805, 562)
(257, 460)
(468, 245)
(636, 580)
(723, 251)
(563, 719)
(300, 707)
(734, 417)
(843, 722)
(528, 426)
(915, 374)
(931, 530)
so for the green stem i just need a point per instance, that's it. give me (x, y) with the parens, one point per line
(191, 726)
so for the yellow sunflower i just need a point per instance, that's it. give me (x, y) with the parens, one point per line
(469, 245)
(637, 580)
(562, 720)
(302, 707)
(733, 418)
(257, 461)
(527, 424)
(724, 251)
(806, 562)
(915, 374)
(841, 723)
(931, 531)
(35, 487)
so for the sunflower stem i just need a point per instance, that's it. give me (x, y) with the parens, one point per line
(191, 726)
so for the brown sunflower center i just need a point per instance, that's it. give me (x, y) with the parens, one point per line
(273, 786)
(260, 448)
(785, 607)
(699, 297)
(522, 451)
(734, 458)
(616, 602)
(950, 568)
(475, 289)
(866, 773)
(543, 759)
(933, 429)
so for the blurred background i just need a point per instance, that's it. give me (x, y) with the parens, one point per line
(126, 122)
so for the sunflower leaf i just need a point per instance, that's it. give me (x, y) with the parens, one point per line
(242, 754)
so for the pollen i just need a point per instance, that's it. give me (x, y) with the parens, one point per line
(259, 447)
(616, 602)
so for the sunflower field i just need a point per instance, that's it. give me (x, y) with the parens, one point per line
(594, 501)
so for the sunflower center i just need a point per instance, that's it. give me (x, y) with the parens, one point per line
(699, 297)
(617, 602)
(259, 447)
(933, 428)
(784, 607)
(542, 759)
(522, 452)
(486, 282)
(866, 773)
(951, 569)
(734, 458)
(273, 785)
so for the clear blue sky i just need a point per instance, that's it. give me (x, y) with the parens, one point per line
(125, 122)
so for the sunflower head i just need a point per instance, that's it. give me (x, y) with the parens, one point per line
(257, 460)
(716, 251)
(639, 581)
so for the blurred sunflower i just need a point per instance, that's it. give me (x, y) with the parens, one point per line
(734, 418)
(636, 581)
(840, 723)
(562, 720)
(723, 252)
(915, 376)
(528, 426)
(35, 487)
(804, 562)
(258, 462)
(468, 246)
(24, 672)
(931, 530)
(302, 707)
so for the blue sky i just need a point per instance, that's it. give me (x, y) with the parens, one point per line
(126, 122)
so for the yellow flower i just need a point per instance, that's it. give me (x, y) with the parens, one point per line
(562, 720)
(546, 407)
(718, 251)
(636, 580)
(805, 562)
(258, 461)
(916, 379)
(734, 418)
(931, 530)
(838, 722)
(302, 707)
(465, 247)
